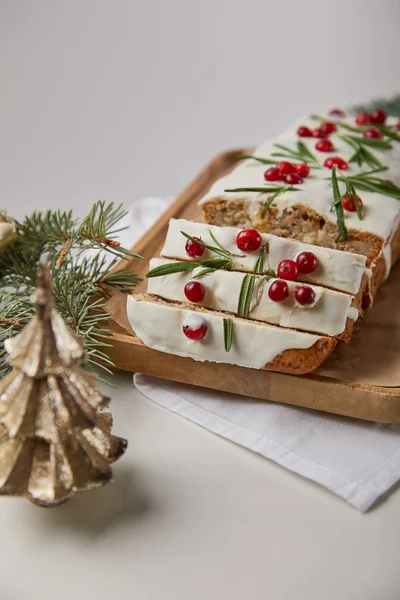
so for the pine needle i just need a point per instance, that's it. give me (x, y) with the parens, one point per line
(81, 285)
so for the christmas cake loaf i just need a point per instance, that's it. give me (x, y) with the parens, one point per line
(225, 285)
(330, 181)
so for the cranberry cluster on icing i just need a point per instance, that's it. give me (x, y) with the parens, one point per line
(306, 262)
(288, 172)
(375, 117)
(321, 132)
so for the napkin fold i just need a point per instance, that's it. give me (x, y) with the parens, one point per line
(357, 460)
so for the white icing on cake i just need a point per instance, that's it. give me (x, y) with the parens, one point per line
(337, 269)
(159, 326)
(379, 212)
(327, 315)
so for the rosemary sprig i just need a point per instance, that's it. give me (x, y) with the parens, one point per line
(337, 204)
(182, 266)
(302, 154)
(367, 181)
(260, 159)
(263, 190)
(218, 249)
(228, 334)
(246, 296)
(361, 154)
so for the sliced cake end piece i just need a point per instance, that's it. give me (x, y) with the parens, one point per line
(206, 335)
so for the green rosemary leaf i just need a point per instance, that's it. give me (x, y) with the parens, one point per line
(390, 133)
(338, 206)
(246, 296)
(371, 172)
(228, 334)
(357, 202)
(216, 249)
(304, 151)
(294, 153)
(272, 198)
(182, 266)
(357, 157)
(174, 267)
(259, 266)
(242, 295)
(263, 190)
(370, 158)
(374, 143)
(203, 272)
(362, 154)
(217, 243)
(264, 161)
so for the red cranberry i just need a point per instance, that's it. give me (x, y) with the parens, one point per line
(398, 124)
(373, 133)
(377, 116)
(195, 327)
(292, 178)
(363, 118)
(287, 269)
(272, 174)
(328, 128)
(336, 160)
(304, 295)
(304, 131)
(319, 133)
(302, 169)
(307, 262)
(278, 290)
(248, 240)
(324, 146)
(195, 291)
(349, 203)
(338, 113)
(193, 249)
(285, 167)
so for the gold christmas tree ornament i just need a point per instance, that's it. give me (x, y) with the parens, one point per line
(8, 233)
(55, 438)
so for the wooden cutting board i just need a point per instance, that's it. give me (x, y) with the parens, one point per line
(345, 386)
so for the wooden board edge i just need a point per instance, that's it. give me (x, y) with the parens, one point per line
(372, 403)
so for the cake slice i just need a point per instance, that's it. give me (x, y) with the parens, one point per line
(204, 335)
(343, 271)
(323, 182)
(329, 312)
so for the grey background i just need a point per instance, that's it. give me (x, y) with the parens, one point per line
(121, 99)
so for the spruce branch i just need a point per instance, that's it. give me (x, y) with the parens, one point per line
(81, 284)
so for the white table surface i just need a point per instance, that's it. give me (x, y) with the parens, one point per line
(122, 99)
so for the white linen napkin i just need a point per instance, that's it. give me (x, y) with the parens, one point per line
(356, 460)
